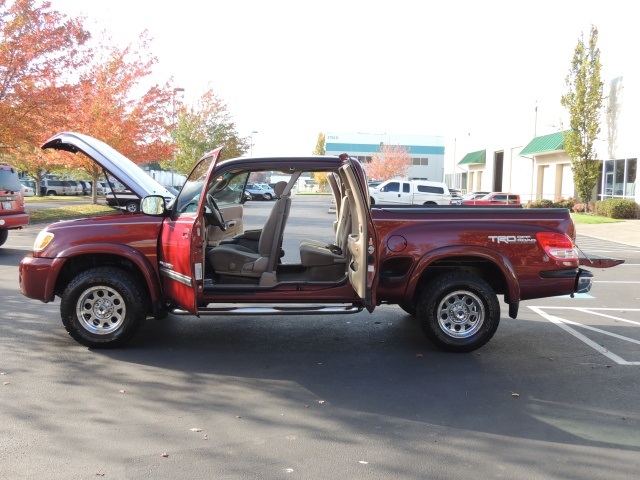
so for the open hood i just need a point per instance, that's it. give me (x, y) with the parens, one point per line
(123, 169)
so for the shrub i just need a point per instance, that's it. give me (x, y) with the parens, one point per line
(617, 208)
(559, 203)
(565, 203)
(540, 204)
(580, 207)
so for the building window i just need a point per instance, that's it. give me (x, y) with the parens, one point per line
(619, 178)
(630, 184)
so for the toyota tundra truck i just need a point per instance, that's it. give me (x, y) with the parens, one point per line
(191, 255)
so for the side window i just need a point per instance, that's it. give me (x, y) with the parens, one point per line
(429, 189)
(392, 187)
(406, 188)
(228, 191)
(499, 198)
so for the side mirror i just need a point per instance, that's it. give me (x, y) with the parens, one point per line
(153, 205)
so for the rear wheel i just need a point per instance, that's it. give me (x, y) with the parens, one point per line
(103, 307)
(4, 234)
(459, 312)
(267, 196)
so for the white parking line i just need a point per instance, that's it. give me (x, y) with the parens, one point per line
(564, 324)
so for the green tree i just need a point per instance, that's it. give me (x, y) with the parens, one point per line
(202, 128)
(321, 149)
(321, 145)
(584, 104)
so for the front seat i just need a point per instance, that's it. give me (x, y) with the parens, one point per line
(239, 260)
(250, 238)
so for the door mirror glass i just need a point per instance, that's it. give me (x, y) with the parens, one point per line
(152, 205)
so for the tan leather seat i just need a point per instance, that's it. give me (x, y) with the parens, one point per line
(239, 260)
(314, 253)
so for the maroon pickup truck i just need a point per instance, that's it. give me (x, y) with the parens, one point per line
(190, 254)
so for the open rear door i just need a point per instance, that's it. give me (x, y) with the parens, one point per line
(362, 242)
(181, 250)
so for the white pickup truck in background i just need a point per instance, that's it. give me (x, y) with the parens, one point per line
(410, 192)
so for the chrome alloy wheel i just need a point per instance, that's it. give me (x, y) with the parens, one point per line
(461, 314)
(101, 310)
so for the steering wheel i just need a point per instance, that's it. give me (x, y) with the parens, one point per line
(216, 213)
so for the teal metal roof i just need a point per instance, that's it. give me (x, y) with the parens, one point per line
(479, 157)
(546, 144)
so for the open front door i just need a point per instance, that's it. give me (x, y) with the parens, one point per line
(181, 250)
(362, 242)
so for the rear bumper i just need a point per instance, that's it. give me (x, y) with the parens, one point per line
(14, 221)
(582, 279)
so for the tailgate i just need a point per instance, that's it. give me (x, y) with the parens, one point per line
(597, 261)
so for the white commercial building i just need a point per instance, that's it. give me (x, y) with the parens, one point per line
(539, 168)
(426, 152)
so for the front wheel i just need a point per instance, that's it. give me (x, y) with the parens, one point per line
(4, 234)
(103, 307)
(267, 196)
(459, 312)
(132, 207)
(410, 308)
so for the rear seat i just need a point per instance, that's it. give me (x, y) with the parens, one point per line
(314, 253)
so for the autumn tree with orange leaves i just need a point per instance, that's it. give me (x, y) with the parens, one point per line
(392, 161)
(52, 80)
(38, 47)
(103, 106)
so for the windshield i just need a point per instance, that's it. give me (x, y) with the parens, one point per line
(9, 180)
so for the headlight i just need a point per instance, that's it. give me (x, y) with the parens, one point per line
(42, 240)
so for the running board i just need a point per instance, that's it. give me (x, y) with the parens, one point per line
(297, 310)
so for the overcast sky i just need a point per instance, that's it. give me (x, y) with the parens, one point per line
(467, 70)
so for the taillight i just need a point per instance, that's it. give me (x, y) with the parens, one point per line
(557, 245)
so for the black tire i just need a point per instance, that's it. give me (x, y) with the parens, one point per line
(103, 307)
(409, 308)
(267, 196)
(132, 207)
(51, 193)
(373, 202)
(4, 234)
(459, 312)
(429, 203)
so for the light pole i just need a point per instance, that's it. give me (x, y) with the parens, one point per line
(251, 146)
(173, 129)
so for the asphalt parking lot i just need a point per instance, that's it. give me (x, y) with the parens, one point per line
(553, 395)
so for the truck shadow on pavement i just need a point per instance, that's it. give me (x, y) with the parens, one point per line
(382, 365)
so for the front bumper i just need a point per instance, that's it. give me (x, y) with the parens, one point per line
(37, 277)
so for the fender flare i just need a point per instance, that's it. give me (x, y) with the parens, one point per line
(147, 270)
(494, 256)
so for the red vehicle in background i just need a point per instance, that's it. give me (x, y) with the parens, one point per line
(494, 198)
(12, 212)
